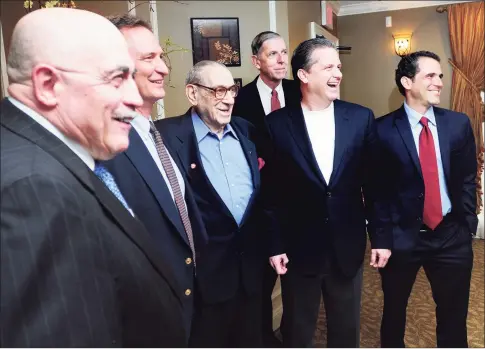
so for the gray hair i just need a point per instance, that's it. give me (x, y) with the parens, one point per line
(194, 76)
(302, 56)
(259, 40)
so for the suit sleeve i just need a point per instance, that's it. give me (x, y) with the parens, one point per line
(374, 192)
(469, 167)
(55, 290)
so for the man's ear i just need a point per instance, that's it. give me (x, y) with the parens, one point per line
(302, 75)
(45, 84)
(406, 82)
(191, 93)
(255, 61)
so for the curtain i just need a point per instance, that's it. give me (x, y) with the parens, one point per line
(466, 23)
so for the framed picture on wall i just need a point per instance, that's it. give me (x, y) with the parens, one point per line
(216, 39)
(238, 82)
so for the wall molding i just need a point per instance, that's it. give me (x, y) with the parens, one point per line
(380, 6)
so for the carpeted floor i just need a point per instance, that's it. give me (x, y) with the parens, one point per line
(421, 321)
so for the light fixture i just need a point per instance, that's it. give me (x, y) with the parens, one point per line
(402, 44)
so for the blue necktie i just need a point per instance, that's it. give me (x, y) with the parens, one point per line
(109, 181)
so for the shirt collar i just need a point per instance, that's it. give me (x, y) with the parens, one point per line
(141, 125)
(414, 117)
(262, 86)
(202, 130)
(77, 148)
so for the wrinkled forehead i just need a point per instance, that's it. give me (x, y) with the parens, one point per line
(325, 56)
(213, 76)
(110, 57)
(273, 44)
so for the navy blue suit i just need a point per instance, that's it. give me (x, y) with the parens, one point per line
(147, 194)
(231, 265)
(319, 225)
(445, 253)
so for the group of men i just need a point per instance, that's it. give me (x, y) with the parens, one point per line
(120, 231)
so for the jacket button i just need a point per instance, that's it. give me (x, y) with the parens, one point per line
(421, 195)
(329, 194)
(188, 292)
(418, 219)
(326, 220)
(188, 261)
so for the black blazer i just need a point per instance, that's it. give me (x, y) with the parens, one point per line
(235, 255)
(404, 191)
(147, 194)
(312, 218)
(248, 106)
(77, 270)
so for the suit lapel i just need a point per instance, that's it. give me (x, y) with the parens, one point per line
(444, 140)
(26, 127)
(404, 129)
(140, 157)
(256, 99)
(297, 129)
(343, 135)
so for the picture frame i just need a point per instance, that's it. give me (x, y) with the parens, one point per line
(238, 82)
(216, 39)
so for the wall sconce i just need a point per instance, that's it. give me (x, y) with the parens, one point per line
(402, 44)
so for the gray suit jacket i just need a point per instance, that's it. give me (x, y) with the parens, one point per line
(77, 270)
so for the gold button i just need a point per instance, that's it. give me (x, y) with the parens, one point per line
(188, 261)
(188, 292)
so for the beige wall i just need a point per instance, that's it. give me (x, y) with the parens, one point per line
(282, 26)
(300, 13)
(369, 69)
(174, 22)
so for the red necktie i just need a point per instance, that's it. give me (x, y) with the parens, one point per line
(432, 214)
(275, 102)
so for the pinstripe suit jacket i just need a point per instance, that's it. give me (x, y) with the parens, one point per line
(76, 269)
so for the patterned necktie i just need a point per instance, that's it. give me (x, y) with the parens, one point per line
(172, 178)
(108, 180)
(432, 214)
(275, 102)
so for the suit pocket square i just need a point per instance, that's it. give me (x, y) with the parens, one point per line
(260, 163)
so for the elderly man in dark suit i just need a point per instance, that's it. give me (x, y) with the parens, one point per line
(268, 92)
(146, 173)
(215, 153)
(429, 157)
(77, 270)
(324, 155)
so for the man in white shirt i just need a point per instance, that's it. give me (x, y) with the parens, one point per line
(324, 151)
(77, 269)
(147, 174)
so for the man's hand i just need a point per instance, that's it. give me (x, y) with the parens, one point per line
(379, 257)
(279, 263)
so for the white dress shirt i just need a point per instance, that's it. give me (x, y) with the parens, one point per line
(77, 148)
(265, 95)
(321, 130)
(142, 126)
(416, 127)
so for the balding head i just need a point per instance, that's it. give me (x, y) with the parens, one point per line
(73, 67)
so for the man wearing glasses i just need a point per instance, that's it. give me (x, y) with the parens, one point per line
(219, 160)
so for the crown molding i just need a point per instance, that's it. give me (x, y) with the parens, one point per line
(380, 6)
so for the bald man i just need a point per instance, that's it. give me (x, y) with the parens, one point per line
(77, 270)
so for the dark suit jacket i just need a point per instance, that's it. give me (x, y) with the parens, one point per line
(313, 219)
(248, 106)
(235, 255)
(147, 194)
(77, 270)
(404, 190)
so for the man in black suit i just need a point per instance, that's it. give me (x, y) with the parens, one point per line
(148, 183)
(77, 270)
(431, 166)
(219, 160)
(324, 155)
(270, 91)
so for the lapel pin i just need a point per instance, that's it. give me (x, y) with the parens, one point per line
(192, 166)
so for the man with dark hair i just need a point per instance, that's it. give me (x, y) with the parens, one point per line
(268, 92)
(429, 157)
(220, 163)
(324, 156)
(146, 173)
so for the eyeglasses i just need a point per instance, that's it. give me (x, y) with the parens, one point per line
(221, 91)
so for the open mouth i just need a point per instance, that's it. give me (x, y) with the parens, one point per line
(158, 82)
(332, 84)
(124, 119)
